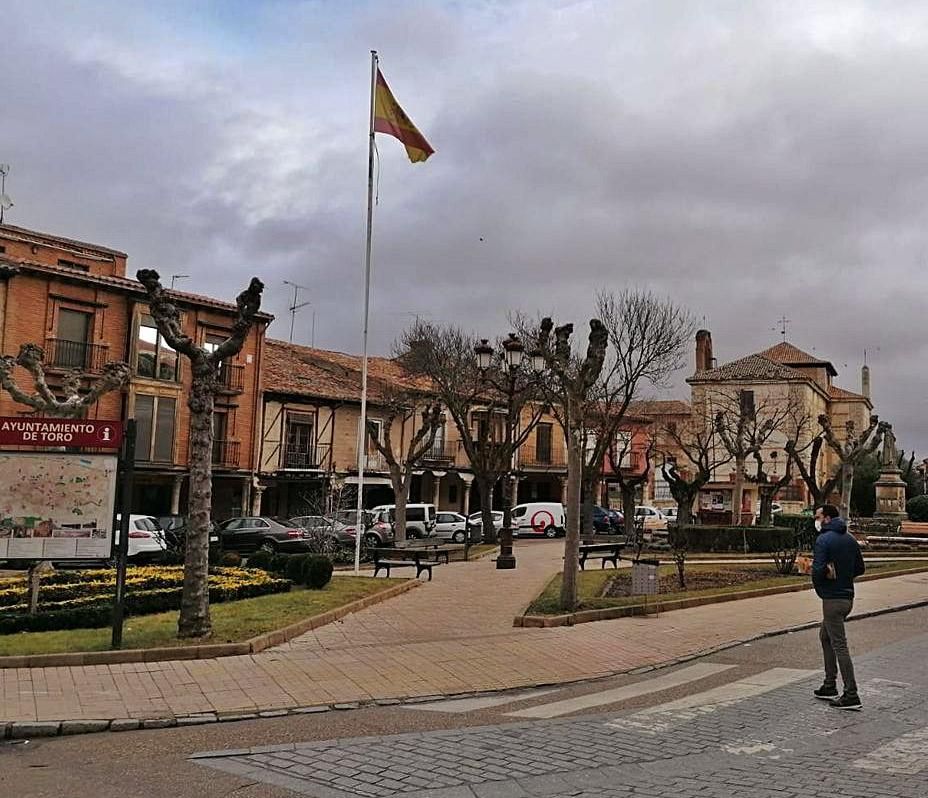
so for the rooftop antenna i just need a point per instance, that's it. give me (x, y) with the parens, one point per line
(297, 305)
(5, 202)
(176, 277)
(782, 326)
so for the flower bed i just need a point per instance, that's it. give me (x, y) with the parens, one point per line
(71, 599)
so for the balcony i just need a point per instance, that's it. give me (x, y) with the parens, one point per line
(373, 462)
(63, 354)
(541, 457)
(442, 453)
(232, 377)
(305, 458)
(226, 454)
(632, 462)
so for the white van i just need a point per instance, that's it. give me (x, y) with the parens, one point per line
(538, 518)
(420, 518)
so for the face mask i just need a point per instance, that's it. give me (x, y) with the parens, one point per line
(818, 525)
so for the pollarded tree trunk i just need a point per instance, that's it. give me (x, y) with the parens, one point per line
(194, 618)
(586, 525)
(847, 484)
(628, 509)
(572, 538)
(401, 486)
(737, 492)
(490, 534)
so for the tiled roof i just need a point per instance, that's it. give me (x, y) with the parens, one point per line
(321, 374)
(789, 355)
(26, 233)
(124, 283)
(840, 394)
(659, 407)
(752, 367)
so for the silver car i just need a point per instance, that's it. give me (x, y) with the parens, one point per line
(450, 526)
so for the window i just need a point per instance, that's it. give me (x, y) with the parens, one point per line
(543, 443)
(623, 447)
(747, 404)
(452, 494)
(154, 418)
(487, 430)
(518, 512)
(154, 358)
(74, 329)
(377, 424)
(415, 514)
(300, 446)
(661, 487)
(2, 249)
(70, 264)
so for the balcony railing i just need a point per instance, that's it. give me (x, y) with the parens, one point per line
(305, 458)
(632, 461)
(65, 354)
(531, 456)
(226, 454)
(374, 461)
(232, 377)
(441, 453)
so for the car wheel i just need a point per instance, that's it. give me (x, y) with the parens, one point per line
(371, 540)
(551, 532)
(269, 546)
(457, 537)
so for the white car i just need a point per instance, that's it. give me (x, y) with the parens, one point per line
(450, 526)
(652, 517)
(538, 518)
(145, 536)
(476, 522)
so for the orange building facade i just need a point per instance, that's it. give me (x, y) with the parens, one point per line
(75, 300)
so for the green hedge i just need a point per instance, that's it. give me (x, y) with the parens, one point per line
(90, 603)
(760, 540)
(917, 508)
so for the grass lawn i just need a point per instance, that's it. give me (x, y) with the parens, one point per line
(594, 586)
(233, 621)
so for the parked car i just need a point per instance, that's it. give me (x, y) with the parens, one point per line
(652, 517)
(331, 527)
(538, 518)
(450, 526)
(670, 513)
(262, 532)
(378, 529)
(146, 540)
(603, 521)
(420, 518)
(175, 532)
(617, 519)
(475, 522)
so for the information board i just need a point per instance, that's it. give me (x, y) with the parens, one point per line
(56, 506)
(88, 433)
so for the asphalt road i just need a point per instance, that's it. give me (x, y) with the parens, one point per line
(612, 729)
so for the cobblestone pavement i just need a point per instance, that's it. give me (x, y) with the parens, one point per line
(774, 743)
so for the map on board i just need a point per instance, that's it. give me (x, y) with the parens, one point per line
(56, 506)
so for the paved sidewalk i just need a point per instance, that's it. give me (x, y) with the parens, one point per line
(451, 636)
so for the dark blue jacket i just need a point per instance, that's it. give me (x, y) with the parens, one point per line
(835, 545)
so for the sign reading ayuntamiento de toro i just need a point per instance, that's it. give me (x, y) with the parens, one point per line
(85, 433)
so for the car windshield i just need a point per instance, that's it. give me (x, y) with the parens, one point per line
(147, 524)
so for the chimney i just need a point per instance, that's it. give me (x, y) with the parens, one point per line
(865, 380)
(704, 359)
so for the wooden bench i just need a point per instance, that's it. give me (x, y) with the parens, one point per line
(607, 552)
(419, 558)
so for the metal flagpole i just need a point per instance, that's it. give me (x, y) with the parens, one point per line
(360, 528)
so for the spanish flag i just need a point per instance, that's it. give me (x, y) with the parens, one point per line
(389, 118)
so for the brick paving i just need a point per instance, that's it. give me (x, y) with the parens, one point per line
(782, 744)
(451, 636)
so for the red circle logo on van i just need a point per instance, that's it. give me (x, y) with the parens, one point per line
(542, 520)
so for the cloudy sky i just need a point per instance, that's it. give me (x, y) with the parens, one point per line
(749, 159)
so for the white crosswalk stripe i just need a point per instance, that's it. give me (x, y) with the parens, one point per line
(657, 684)
(459, 705)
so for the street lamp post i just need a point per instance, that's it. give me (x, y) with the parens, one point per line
(512, 361)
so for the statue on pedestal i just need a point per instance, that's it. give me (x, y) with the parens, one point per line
(890, 455)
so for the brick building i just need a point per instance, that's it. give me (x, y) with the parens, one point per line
(75, 300)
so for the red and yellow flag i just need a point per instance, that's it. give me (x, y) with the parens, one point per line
(389, 118)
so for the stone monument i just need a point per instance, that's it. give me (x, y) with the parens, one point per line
(890, 487)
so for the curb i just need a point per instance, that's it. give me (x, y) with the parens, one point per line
(209, 650)
(17, 730)
(631, 610)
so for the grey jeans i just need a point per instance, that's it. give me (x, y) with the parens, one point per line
(834, 643)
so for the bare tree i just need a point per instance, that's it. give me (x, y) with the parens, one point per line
(401, 463)
(696, 441)
(194, 620)
(745, 427)
(851, 451)
(445, 355)
(74, 403)
(810, 473)
(76, 400)
(629, 483)
(575, 402)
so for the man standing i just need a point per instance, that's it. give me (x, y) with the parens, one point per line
(837, 561)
